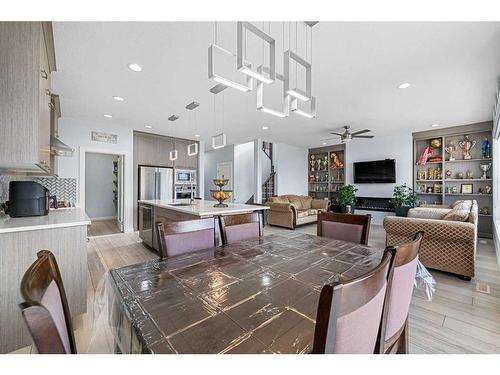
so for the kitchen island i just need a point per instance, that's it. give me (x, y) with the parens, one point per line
(64, 233)
(182, 209)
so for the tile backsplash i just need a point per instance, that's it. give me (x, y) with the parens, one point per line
(63, 188)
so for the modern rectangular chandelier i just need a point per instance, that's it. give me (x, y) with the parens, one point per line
(285, 110)
(296, 92)
(192, 149)
(247, 68)
(213, 50)
(312, 109)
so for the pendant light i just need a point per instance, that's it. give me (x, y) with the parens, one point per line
(219, 140)
(173, 154)
(192, 149)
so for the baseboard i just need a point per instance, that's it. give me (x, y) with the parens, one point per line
(103, 218)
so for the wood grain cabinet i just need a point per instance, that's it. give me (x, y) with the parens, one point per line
(27, 59)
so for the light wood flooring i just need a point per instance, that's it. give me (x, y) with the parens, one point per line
(103, 227)
(459, 319)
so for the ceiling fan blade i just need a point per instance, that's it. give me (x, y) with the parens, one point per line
(363, 136)
(339, 134)
(361, 131)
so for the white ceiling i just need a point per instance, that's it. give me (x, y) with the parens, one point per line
(453, 68)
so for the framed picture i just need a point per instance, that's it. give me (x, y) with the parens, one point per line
(467, 188)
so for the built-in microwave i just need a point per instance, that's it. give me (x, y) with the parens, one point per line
(184, 176)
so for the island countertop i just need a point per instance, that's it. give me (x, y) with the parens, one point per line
(203, 208)
(55, 219)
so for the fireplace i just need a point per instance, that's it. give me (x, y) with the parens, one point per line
(374, 204)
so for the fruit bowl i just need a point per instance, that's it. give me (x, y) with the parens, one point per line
(220, 182)
(220, 196)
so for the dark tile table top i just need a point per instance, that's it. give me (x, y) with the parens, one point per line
(256, 296)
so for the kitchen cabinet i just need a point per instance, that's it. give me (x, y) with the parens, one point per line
(26, 62)
(150, 149)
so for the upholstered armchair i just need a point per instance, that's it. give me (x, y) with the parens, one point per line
(289, 211)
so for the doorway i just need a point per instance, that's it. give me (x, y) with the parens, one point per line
(104, 193)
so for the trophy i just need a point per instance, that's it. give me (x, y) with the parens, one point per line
(485, 168)
(451, 149)
(467, 145)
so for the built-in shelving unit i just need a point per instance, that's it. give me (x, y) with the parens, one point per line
(325, 176)
(435, 186)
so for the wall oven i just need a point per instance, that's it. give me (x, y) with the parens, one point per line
(185, 191)
(185, 176)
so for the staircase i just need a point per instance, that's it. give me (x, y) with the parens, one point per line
(269, 185)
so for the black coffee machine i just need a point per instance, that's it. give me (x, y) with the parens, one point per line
(27, 198)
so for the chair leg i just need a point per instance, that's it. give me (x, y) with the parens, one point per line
(403, 340)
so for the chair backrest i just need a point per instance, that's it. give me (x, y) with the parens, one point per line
(45, 309)
(400, 288)
(240, 227)
(182, 237)
(345, 227)
(349, 314)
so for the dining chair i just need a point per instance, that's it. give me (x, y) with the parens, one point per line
(349, 313)
(45, 308)
(182, 237)
(399, 294)
(345, 227)
(240, 227)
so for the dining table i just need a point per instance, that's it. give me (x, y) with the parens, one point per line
(252, 296)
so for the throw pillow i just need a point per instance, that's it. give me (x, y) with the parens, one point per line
(457, 215)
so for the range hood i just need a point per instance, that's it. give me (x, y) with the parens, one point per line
(60, 148)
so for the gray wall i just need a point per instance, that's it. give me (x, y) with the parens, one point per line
(221, 155)
(99, 186)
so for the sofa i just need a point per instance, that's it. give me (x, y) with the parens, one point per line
(450, 235)
(289, 211)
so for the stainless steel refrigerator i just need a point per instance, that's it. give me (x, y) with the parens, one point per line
(154, 183)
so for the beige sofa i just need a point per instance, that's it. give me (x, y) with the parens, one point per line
(449, 242)
(291, 210)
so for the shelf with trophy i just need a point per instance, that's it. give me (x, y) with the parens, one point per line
(326, 171)
(456, 163)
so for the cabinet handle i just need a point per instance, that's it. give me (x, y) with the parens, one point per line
(44, 74)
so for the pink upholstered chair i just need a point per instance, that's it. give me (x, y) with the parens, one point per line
(398, 299)
(182, 237)
(349, 314)
(45, 309)
(240, 227)
(345, 227)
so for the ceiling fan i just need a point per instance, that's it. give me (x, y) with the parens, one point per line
(347, 136)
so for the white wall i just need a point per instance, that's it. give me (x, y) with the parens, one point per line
(244, 180)
(291, 169)
(397, 146)
(99, 186)
(211, 158)
(77, 134)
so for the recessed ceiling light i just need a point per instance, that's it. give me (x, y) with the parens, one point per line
(118, 98)
(434, 125)
(148, 126)
(135, 67)
(108, 116)
(324, 143)
(265, 127)
(197, 135)
(404, 85)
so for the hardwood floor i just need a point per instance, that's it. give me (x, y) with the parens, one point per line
(459, 319)
(103, 228)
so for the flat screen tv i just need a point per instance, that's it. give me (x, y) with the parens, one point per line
(377, 171)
